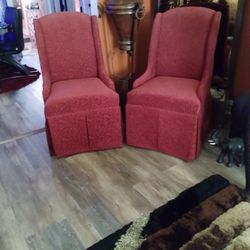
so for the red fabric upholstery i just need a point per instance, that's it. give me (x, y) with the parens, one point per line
(79, 94)
(181, 53)
(81, 107)
(167, 109)
(179, 91)
(69, 40)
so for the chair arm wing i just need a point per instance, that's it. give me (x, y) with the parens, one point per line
(46, 87)
(148, 74)
(44, 65)
(101, 68)
(151, 68)
(105, 78)
(203, 89)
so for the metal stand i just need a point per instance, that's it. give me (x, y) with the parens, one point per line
(125, 15)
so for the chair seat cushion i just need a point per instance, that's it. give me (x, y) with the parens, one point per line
(79, 94)
(170, 93)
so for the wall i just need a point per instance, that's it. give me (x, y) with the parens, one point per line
(118, 62)
(242, 71)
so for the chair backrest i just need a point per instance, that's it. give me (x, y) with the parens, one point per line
(12, 42)
(220, 58)
(66, 46)
(184, 34)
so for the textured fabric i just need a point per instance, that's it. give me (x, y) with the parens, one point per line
(79, 94)
(168, 107)
(166, 131)
(84, 131)
(222, 230)
(171, 211)
(195, 220)
(241, 242)
(142, 126)
(69, 133)
(102, 74)
(81, 107)
(133, 237)
(226, 212)
(182, 42)
(165, 215)
(43, 59)
(68, 38)
(104, 128)
(167, 93)
(151, 68)
(177, 134)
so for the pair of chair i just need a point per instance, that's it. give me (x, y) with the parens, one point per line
(167, 109)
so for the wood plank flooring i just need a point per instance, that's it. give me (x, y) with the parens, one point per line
(22, 111)
(71, 203)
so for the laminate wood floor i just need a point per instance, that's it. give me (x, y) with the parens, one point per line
(71, 203)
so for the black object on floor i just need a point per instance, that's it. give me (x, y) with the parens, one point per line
(12, 79)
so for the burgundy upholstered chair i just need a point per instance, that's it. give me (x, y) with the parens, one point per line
(81, 106)
(168, 108)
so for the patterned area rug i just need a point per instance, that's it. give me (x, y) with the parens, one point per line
(11, 79)
(209, 215)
